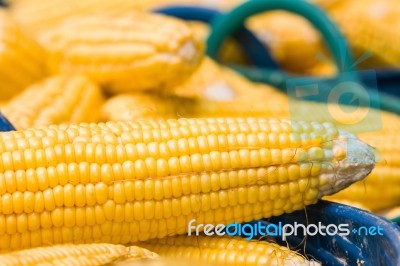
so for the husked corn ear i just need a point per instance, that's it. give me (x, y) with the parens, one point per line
(42, 15)
(21, 58)
(226, 250)
(292, 40)
(214, 82)
(55, 100)
(355, 204)
(162, 262)
(207, 81)
(127, 52)
(372, 27)
(124, 182)
(392, 213)
(133, 106)
(79, 255)
(379, 191)
(129, 107)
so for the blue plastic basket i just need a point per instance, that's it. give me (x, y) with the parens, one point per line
(354, 249)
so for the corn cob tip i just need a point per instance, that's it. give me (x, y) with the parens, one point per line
(353, 161)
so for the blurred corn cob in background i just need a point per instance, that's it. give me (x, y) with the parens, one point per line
(293, 42)
(80, 255)
(42, 15)
(121, 182)
(226, 250)
(55, 100)
(392, 213)
(21, 58)
(133, 51)
(371, 26)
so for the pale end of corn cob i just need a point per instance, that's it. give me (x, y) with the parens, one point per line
(21, 58)
(55, 100)
(128, 52)
(229, 251)
(80, 255)
(121, 182)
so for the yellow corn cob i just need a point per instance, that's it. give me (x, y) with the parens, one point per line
(55, 100)
(44, 14)
(79, 255)
(133, 51)
(123, 182)
(161, 262)
(391, 213)
(355, 204)
(129, 107)
(381, 190)
(229, 251)
(21, 59)
(133, 106)
(370, 26)
(211, 81)
(291, 39)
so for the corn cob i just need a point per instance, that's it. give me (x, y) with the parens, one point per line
(42, 15)
(213, 82)
(21, 60)
(80, 255)
(292, 40)
(133, 51)
(133, 106)
(355, 204)
(55, 100)
(229, 251)
(392, 213)
(162, 262)
(371, 26)
(123, 182)
(381, 190)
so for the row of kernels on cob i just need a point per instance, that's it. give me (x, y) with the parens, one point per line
(82, 255)
(181, 250)
(124, 182)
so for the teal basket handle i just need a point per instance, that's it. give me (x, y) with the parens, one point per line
(227, 24)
